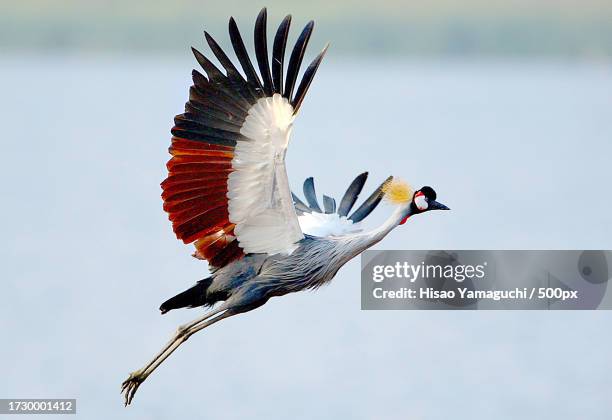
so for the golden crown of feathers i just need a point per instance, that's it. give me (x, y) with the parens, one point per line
(397, 191)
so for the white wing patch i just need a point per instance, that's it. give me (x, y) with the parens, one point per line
(321, 224)
(259, 198)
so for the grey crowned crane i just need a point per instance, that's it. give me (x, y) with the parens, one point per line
(227, 189)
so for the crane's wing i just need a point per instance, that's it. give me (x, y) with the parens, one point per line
(334, 220)
(227, 187)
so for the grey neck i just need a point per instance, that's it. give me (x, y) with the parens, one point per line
(361, 241)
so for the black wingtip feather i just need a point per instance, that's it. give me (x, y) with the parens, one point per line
(352, 194)
(211, 70)
(310, 194)
(300, 206)
(220, 54)
(278, 53)
(296, 199)
(329, 204)
(307, 80)
(261, 51)
(296, 59)
(243, 56)
(370, 204)
(232, 82)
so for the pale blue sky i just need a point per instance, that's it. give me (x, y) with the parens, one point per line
(519, 150)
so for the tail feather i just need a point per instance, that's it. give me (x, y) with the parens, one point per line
(192, 297)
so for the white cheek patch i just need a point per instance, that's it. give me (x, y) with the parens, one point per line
(420, 201)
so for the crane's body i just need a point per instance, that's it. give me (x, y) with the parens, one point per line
(228, 191)
(255, 278)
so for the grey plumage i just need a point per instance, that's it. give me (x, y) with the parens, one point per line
(256, 277)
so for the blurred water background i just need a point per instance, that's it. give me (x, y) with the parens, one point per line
(503, 107)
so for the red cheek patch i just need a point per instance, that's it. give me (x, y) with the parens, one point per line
(404, 220)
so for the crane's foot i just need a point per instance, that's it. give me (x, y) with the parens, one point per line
(131, 384)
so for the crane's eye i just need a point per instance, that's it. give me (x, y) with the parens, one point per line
(420, 201)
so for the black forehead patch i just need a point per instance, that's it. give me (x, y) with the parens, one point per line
(429, 193)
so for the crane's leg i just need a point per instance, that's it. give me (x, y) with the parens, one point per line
(131, 384)
(179, 331)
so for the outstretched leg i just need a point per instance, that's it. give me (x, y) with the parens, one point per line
(131, 384)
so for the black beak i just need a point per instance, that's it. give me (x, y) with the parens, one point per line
(434, 205)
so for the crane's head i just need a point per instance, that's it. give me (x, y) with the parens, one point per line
(420, 201)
